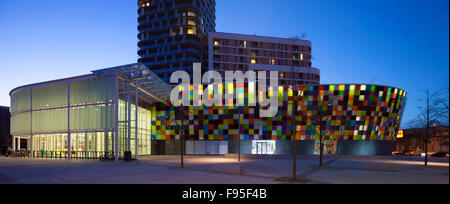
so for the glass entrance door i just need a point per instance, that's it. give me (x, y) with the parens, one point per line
(329, 147)
(261, 148)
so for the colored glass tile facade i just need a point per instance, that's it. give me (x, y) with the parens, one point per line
(345, 112)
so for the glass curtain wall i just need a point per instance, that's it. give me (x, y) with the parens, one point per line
(144, 131)
(127, 124)
(47, 112)
(83, 110)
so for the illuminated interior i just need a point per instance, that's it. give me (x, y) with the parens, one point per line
(266, 147)
(46, 115)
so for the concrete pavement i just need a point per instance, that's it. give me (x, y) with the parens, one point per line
(200, 170)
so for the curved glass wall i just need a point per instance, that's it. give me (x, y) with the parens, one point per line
(48, 121)
(92, 118)
(20, 123)
(53, 96)
(91, 107)
(21, 101)
(337, 112)
(100, 90)
(81, 111)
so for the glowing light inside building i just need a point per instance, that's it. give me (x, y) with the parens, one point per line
(400, 134)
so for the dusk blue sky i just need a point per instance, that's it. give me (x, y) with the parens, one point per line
(401, 43)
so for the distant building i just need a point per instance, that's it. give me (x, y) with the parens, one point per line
(232, 52)
(414, 139)
(5, 136)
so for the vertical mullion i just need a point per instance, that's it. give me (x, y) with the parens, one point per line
(69, 145)
(116, 136)
(31, 122)
(136, 100)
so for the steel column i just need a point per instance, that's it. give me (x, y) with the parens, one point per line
(31, 123)
(86, 144)
(13, 143)
(136, 100)
(69, 139)
(129, 117)
(116, 136)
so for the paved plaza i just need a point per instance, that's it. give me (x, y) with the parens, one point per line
(204, 170)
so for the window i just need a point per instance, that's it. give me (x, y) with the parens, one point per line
(253, 61)
(190, 13)
(191, 22)
(272, 61)
(216, 51)
(216, 42)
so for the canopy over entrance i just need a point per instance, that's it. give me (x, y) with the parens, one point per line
(150, 87)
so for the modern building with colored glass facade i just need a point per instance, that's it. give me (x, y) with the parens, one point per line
(95, 113)
(127, 108)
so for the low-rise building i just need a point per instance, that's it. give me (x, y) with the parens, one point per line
(5, 136)
(414, 140)
(127, 108)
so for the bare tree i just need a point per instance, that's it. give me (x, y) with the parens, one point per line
(441, 103)
(428, 116)
(294, 85)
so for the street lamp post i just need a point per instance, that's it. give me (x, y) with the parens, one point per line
(320, 140)
(182, 149)
(239, 139)
(294, 111)
(237, 110)
(322, 117)
(180, 129)
(320, 101)
(294, 135)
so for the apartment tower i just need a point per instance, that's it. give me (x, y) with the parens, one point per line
(173, 34)
(291, 57)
